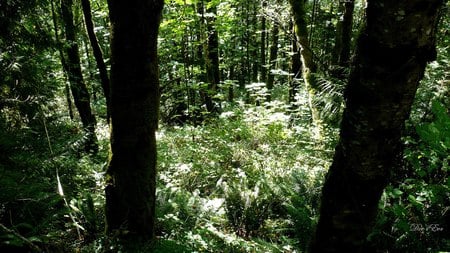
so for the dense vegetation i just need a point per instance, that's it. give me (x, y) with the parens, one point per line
(245, 138)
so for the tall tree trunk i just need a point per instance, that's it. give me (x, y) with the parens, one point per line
(77, 86)
(59, 45)
(203, 58)
(247, 43)
(263, 44)
(309, 66)
(392, 53)
(296, 68)
(98, 54)
(341, 52)
(212, 58)
(272, 58)
(131, 173)
(254, 42)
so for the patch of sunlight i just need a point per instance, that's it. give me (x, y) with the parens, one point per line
(255, 86)
(265, 147)
(279, 72)
(301, 99)
(160, 134)
(228, 114)
(278, 117)
(317, 132)
(99, 177)
(102, 131)
(184, 168)
(214, 205)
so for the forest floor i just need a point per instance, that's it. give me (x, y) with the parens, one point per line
(247, 180)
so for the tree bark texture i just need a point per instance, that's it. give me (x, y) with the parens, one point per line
(309, 67)
(77, 86)
(131, 173)
(98, 54)
(392, 52)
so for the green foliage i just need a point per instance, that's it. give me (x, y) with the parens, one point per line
(245, 180)
(31, 205)
(436, 134)
(230, 185)
(248, 209)
(415, 209)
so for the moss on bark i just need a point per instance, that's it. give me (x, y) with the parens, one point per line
(392, 52)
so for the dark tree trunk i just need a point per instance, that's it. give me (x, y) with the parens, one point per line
(246, 39)
(263, 44)
(342, 48)
(392, 52)
(131, 173)
(98, 54)
(254, 47)
(212, 61)
(63, 59)
(207, 36)
(230, 96)
(77, 86)
(272, 58)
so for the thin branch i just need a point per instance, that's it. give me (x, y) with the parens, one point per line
(29, 243)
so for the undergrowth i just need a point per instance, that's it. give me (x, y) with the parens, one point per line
(247, 180)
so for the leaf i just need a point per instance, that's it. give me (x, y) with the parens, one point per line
(34, 239)
(397, 192)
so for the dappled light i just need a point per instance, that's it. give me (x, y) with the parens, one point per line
(224, 126)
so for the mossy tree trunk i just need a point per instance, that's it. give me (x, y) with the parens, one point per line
(296, 68)
(98, 54)
(392, 53)
(131, 173)
(309, 67)
(208, 53)
(78, 88)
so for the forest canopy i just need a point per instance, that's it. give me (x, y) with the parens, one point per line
(224, 126)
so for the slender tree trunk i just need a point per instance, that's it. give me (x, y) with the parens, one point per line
(131, 173)
(254, 48)
(212, 58)
(203, 58)
(88, 62)
(296, 68)
(341, 52)
(78, 87)
(263, 44)
(392, 53)
(98, 54)
(63, 59)
(309, 67)
(272, 58)
(247, 39)
(230, 97)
